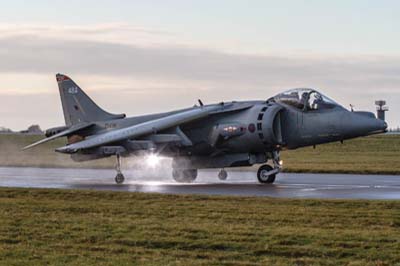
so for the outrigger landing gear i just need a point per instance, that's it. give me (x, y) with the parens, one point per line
(222, 175)
(266, 174)
(119, 178)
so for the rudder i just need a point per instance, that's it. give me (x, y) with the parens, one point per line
(77, 106)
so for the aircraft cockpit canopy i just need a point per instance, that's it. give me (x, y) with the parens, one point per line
(306, 100)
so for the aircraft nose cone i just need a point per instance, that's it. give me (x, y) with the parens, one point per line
(363, 123)
(385, 126)
(382, 125)
(375, 126)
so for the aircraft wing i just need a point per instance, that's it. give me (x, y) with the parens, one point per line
(149, 127)
(61, 134)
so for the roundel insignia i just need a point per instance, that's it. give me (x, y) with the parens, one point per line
(252, 128)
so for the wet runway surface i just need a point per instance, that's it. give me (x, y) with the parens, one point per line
(334, 186)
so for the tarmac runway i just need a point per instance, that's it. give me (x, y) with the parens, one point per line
(333, 186)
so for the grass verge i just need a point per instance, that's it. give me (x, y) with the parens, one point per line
(63, 227)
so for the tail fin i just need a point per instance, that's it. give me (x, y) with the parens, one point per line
(77, 106)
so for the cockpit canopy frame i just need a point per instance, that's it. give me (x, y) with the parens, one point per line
(306, 99)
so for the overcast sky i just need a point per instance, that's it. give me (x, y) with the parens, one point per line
(149, 56)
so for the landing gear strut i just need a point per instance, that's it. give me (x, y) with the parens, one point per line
(222, 175)
(184, 175)
(266, 174)
(119, 178)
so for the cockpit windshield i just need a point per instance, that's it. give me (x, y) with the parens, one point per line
(306, 100)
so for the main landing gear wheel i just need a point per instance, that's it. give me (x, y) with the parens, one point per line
(263, 176)
(222, 175)
(119, 179)
(184, 175)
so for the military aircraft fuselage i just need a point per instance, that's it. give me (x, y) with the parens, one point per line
(208, 136)
(260, 126)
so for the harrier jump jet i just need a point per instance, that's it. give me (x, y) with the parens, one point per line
(230, 134)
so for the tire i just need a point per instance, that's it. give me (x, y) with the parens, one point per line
(119, 179)
(222, 175)
(184, 175)
(264, 179)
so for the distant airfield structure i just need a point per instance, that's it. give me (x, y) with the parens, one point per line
(381, 109)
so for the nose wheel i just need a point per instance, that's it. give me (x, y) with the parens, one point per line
(119, 178)
(266, 174)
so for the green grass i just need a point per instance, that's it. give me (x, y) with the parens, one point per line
(62, 227)
(40, 156)
(370, 155)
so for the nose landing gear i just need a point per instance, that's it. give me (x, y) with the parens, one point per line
(119, 178)
(266, 174)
